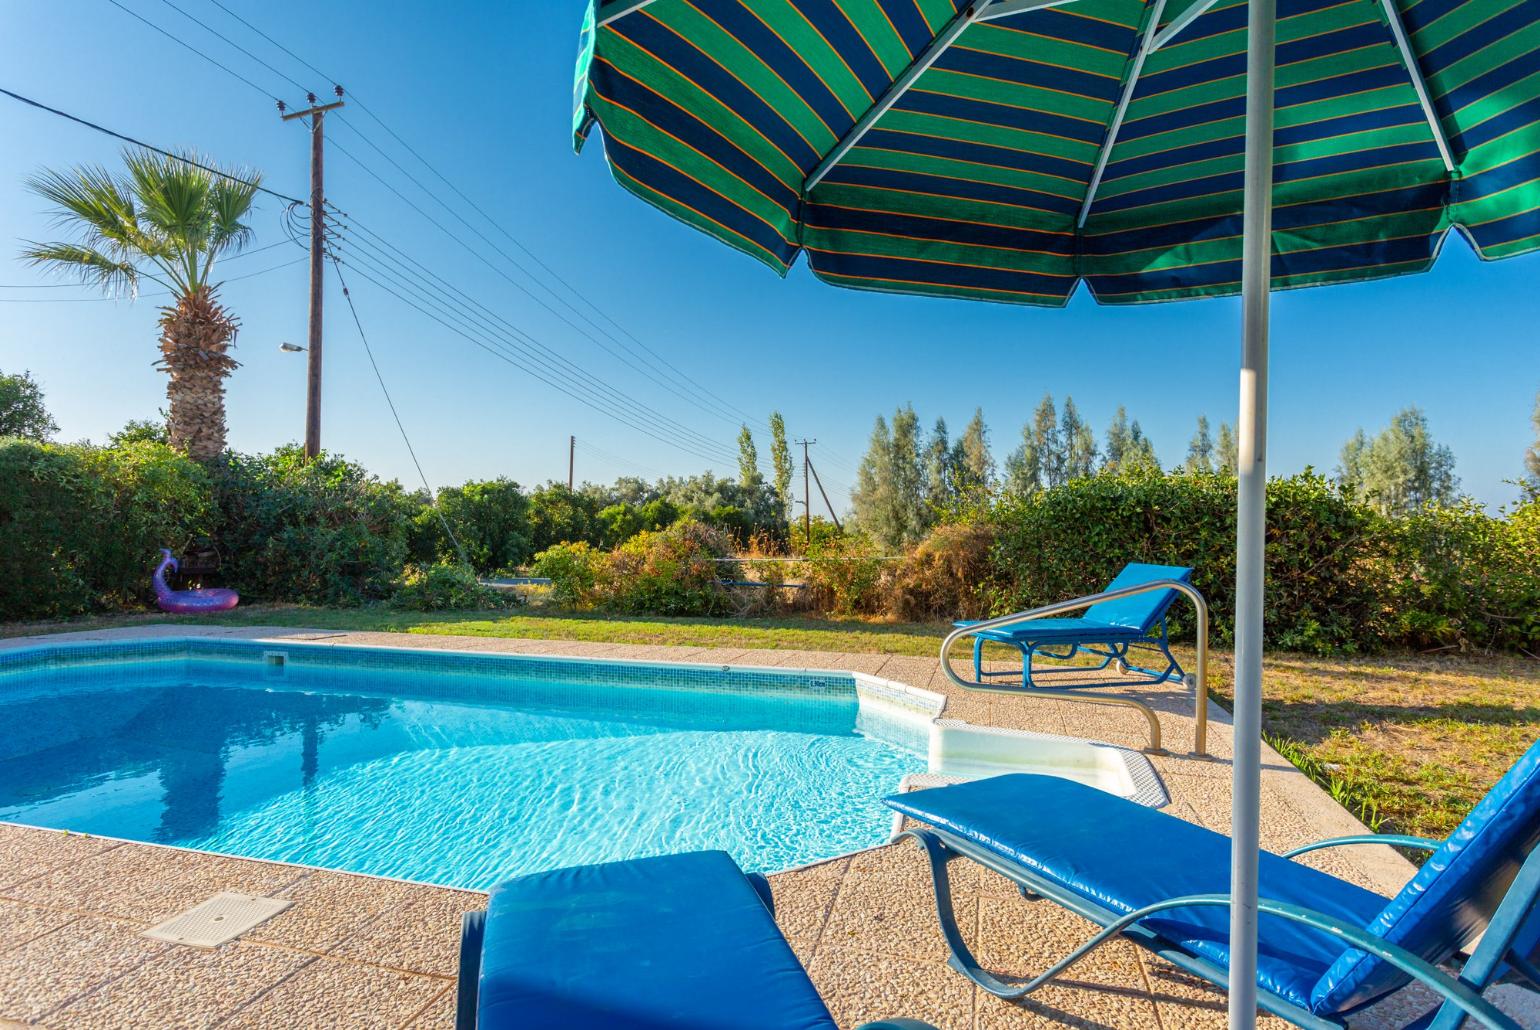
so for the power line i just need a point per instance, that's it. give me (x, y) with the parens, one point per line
(213, 31)
(502, 355)
(667, 422)
(273, 41)
(713, 402)
(516, 353)
(380, 249)
(149, 146)
(142, 296)
(616, 462)
(432, 497)
(512, 281)
(188, 46)
(510, 351)
(626, 354)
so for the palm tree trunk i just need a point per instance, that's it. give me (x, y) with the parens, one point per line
(195, 339)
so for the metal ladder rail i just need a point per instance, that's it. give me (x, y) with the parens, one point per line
(1198, 679)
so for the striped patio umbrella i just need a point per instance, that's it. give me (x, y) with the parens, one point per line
(1158, 150)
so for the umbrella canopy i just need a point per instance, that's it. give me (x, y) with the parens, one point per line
(1006, 149)
(1158, 149)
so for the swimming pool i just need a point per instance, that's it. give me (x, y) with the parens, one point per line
(451, 768)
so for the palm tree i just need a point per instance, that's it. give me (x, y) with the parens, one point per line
(168, 221)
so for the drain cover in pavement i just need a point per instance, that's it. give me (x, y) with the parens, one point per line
(223, 917)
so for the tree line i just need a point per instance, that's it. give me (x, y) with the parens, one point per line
(910, 481)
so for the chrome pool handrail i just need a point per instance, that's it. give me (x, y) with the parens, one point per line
(1198, 679)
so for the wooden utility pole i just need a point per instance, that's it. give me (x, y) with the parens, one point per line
(571, 459)
(807, 499)
(317, 115)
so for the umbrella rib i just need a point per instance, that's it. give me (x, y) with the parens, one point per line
(1180, 22)
(1419, 84)
(899, 86)
(1146, 46)
(613, 9)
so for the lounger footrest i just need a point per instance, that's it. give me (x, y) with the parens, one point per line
(680, 941)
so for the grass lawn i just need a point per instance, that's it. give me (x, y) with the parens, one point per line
(1407, 743)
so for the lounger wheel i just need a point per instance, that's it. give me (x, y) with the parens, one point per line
(1121, 666)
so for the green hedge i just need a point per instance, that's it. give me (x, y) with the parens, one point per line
(314, 532)
(81, 527)
(1340, 577)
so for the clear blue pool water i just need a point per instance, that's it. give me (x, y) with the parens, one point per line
(459, 773)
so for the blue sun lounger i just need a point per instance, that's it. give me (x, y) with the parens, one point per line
(1108, 629)
(683, 942)
(1326, 948)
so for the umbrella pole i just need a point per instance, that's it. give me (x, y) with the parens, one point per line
(1251, 520)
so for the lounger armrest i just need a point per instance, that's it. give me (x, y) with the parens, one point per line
(1460, 994)
(1395, 840)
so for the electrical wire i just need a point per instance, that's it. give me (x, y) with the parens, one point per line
(215, 32)
(506, 350)
(495, 352)
(142, 296)
(149, 146)
(188, 46)
(403, 265)
(713, 402)
(620, 350)
(521, 287)
(432, 496)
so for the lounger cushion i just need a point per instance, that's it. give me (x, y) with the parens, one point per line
(1048, 631)
(1447, 904)
(1141, 611)
(681, 941)
(1116, 856)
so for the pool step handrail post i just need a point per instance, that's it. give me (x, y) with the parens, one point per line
(1198, 678)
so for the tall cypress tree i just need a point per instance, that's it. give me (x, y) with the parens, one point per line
(939, 474)
(1079, 443)
(973, 467)
(1228, 456)
(911, 517)
(1118, 438)
(748, 461)
(780, 458)
(1200, 449)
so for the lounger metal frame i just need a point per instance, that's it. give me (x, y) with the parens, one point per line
(1492, 961)
(1198, 680)
(1108, 651)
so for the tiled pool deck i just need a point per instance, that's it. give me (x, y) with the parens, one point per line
(355, 951)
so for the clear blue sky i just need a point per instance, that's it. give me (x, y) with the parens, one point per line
(483, 91)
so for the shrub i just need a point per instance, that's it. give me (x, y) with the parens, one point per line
(320, 531)
(845, 574)
(1069, 541)
(670, 571)
(575, 571)
(490, 519)
(1457, 577)
(949, 575)
(558, 516)
(157, 497)
(80, 526)
(447, 587)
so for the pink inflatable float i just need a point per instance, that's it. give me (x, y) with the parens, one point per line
(189, 602)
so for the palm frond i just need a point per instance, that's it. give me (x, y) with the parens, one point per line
(90, 200)
(87, 264)
(166, 212)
